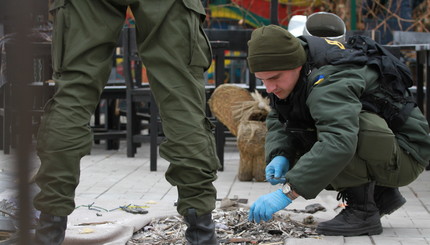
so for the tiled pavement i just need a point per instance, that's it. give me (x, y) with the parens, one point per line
(109, 179)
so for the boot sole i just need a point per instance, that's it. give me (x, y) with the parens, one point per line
(393, 207)
(368, 230)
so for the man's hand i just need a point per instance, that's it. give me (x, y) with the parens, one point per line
(276, 170)
(267, 205)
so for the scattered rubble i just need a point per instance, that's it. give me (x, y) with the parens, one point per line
(232, 227)
(312, 208)
(8, 218)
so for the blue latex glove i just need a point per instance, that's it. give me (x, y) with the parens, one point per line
(276, 170)
(267, 205)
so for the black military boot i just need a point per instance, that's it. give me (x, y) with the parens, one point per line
(388, 199)
(360, 217)
(50, 230)
(201, 229)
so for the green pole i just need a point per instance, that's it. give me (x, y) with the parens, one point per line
(274, 12)
(353, 15)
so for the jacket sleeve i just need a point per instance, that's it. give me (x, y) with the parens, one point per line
(278, 141)
(414, 137)
(334, 105)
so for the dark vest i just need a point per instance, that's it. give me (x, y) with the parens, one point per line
(294, 114)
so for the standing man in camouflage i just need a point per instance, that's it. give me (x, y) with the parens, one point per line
(337, 125)
(176, 52)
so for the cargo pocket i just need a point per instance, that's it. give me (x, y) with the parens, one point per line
(377, 146)
(60, 24)
(201, 52)
(42, 131)
(214, 163)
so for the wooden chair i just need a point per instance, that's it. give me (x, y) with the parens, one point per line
(139, 97)
(111, 129)
(141, 112)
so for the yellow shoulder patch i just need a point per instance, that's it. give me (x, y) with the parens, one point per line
(337, 43)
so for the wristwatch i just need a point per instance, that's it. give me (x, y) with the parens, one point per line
(288, 191)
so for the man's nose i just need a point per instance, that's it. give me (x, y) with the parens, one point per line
(270, 87)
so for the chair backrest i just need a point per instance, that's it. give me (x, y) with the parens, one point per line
(411, 37)
(41, 87)
(42, 62)
(41, 52)
(115, 77)
(237, 41)
(132, 64)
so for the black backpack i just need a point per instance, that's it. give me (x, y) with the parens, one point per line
(395, 78)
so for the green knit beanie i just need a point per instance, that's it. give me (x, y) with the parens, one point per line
(272, 48)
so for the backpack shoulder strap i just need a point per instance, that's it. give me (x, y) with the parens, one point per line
(328, 52)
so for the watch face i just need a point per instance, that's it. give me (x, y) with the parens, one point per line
(286, 188)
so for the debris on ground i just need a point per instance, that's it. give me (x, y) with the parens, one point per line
(8, 219)
(134, 209)
(96, 223)
(312, 208)
(232, 228)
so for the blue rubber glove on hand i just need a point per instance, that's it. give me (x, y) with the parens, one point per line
(267, 205)
(276, 170)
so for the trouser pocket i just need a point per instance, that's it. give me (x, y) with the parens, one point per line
(201, 53)
(58, 10)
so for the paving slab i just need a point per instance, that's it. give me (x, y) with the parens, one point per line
(109, 180)
(333, 240)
